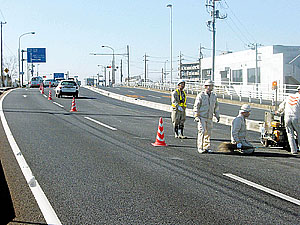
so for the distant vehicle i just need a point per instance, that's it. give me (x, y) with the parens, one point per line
(67, 87)
(35, 82)
(53, 82)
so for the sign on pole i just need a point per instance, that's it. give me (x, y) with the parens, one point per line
(36, 55)
(58, 75)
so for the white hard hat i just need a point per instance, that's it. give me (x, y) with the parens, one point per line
(208, 83)
(180, 81)
(245, 108)
(298, 88)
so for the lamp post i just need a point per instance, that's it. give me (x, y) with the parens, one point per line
(19, 56)
(171, 38)
(113, 63)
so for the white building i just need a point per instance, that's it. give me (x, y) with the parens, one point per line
(274, 63)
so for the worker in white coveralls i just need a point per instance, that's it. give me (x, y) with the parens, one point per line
(205, 107)
(291, 108)
(239, 131)
(178, 114)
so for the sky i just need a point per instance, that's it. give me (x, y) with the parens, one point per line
(72, 29)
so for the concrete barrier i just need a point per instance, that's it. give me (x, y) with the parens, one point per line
(252, 125)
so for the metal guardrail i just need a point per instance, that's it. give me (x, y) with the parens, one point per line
(256, 93)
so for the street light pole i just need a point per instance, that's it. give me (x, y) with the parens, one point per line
(19, 57)
(171, 39)
(2, 78)
(113, 63)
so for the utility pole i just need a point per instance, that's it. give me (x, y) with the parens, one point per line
(145, 59)
(2, 75)
(254, 46)
(127, 64)
(211, 24)
(200, 57)
(162, 75)
(180, 61)
(121, 72)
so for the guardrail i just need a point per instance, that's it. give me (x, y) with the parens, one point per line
(256, 93)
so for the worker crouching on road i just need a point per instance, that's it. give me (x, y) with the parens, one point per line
(291, 109)
(239, 131)
(179, 106)
(205, 107)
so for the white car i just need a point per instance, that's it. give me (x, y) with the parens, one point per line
(67, 87)
(35, 82)
(53, 82)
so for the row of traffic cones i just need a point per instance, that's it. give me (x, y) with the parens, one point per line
(73, 107)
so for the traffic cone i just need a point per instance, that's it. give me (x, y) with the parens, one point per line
(160, 138)
(42, 91)
(50, 95)
(73, 108)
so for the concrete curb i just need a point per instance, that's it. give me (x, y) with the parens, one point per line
(226, 120)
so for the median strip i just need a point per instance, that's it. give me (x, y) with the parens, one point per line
(262, 188)
(102, 124)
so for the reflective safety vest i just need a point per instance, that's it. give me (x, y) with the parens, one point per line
(182, 102)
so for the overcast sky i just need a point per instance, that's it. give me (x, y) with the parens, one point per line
(72, 29)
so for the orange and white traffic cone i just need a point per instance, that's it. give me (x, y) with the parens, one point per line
(160, 138)
(73, 108)
(42, 90)
(50, 95)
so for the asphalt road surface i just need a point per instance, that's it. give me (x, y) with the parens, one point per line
(97, 166)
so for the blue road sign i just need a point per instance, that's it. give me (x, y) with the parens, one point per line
(36, 55)
(59, 75)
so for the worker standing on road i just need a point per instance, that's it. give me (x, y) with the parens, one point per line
(239, 130)
(205, 107)
(291, 108)
(178, 109)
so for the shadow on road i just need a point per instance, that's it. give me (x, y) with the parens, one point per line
(7, 208)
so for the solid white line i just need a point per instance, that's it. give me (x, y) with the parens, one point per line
(40, 197)
(102, 124)
(58, 104)
(153, 96)
(262, 188)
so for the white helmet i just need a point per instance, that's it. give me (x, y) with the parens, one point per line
(180, 81)
(208, 83)
(298, 88)
(245, 108)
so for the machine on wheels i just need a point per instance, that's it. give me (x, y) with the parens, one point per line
(273, 132)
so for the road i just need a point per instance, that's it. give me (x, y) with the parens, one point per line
(97, 166)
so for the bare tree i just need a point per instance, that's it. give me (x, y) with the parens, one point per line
(11, 63)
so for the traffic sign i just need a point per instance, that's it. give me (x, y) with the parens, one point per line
(6, 70)
(36, 55)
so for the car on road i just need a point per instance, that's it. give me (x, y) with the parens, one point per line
(35, 82)
(67, 87)
(53, 82)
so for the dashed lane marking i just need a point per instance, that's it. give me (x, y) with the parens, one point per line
(45, 96)
(101, 124)
(58, 104)
(262, 188)
(25, 96)
(39, 195)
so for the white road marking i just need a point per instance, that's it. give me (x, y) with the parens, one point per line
(132, 91)
(262, 188)
(25, 96)
(40, 197)
(153, 96)
(102, 124)
(45, 96)
(58, 104)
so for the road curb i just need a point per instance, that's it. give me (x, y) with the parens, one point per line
(226, 120)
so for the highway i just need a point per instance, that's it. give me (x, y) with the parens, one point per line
(97, 166)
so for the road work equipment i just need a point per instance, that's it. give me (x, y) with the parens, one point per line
(273, 131)
(160, 137)
(73, 108)
(228, 147)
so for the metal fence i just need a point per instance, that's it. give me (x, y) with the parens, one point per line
(256, 93)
